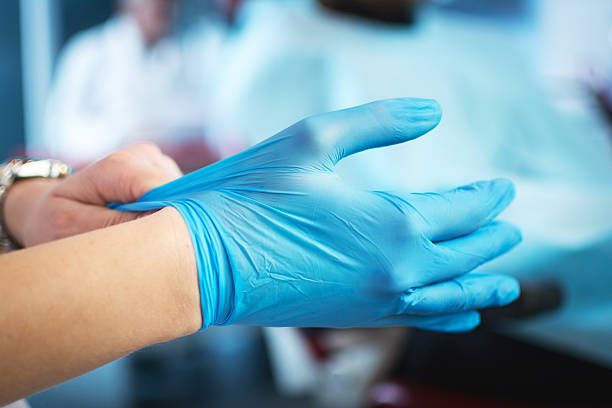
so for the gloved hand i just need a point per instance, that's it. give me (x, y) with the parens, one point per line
(281, 240)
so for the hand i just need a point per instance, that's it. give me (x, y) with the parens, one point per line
(281, 240)
(42, 210)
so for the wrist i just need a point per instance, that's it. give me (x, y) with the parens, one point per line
(21, 204)
(181, 273)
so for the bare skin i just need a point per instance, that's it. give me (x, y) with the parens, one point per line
(74, 304)
(41, 210)
(154, 17)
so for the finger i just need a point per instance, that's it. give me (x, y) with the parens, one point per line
(467, 292)
(151, 153)
(101, 217)
(381, 123)
(456, 322)
(119, 177)
(168, 164)
(72, 217)
(462, 210)
(449, 259)
(140, 179)
(154, 168)
(144, 151)
(468, 252)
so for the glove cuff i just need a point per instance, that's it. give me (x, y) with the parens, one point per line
(214, 271)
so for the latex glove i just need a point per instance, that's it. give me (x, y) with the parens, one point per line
(281, 240)
(41, 210)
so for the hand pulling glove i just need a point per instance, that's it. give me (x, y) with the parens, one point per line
(282, 240)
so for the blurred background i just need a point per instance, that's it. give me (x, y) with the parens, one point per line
(526, 89)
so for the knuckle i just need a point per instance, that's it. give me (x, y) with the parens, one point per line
(411, 301)
(462, 299)
(148, 148)
(382, 114)
(116, 159)
(120, 170)
(315, 135)
(307, 133)
(308, 127)
(405, 221)
(406, 230)
(172, 170)
(403, 232)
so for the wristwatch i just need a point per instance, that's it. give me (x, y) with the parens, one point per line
(24, 168)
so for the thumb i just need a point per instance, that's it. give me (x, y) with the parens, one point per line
(120, 176)
(376, 124)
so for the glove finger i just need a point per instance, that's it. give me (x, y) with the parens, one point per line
(466, 253)
(450, 259)
(462, 210)
(455, 322)
(380, 123)
(467, 292)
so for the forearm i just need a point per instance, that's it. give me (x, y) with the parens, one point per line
(72, 305)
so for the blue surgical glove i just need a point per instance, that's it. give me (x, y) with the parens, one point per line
(282, 240)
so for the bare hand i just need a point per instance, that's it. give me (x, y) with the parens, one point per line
(42, 210)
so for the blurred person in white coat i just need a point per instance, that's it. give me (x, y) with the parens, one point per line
(124, 81)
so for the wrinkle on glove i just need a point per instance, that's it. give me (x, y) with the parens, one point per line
(281, 240)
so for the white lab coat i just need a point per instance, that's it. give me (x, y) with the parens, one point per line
(111, 91)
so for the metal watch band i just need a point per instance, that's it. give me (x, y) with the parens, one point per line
(23, 168)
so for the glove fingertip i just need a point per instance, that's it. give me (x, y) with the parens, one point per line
(504, 186)
(508, 290)
(414, 117)
(458, 323)
(470, 321)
